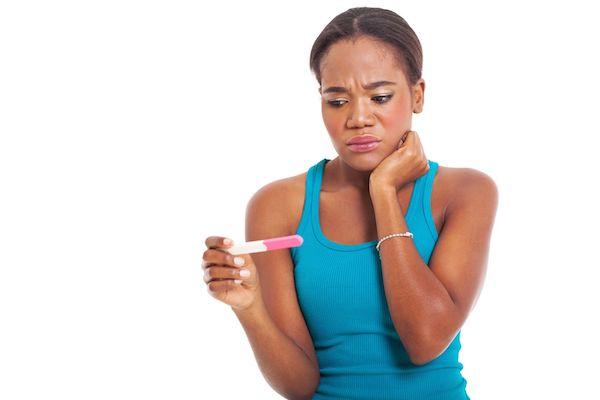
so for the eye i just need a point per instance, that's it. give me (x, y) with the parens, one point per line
(378, 99)
(383, 98)
(335, 103)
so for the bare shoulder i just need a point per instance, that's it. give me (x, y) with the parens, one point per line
(466, 185)
(281, 203)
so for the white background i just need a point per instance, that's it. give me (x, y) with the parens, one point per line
(132, 130)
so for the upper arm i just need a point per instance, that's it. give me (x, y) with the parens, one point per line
(460, 256)
(268, 216)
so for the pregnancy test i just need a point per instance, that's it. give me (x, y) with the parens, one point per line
(257, 246)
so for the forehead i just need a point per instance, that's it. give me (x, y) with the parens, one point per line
(365, 59)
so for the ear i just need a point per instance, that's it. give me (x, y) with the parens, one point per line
(418, 96)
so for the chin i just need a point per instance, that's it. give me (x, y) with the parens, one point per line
(365, 162)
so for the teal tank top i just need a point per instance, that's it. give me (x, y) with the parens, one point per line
(341, 295)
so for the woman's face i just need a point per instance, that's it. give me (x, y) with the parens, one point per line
(351, 107)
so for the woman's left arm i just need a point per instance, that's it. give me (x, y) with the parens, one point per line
(429, 305)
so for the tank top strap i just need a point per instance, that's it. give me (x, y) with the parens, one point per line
(316, 186)
(426, 198)
(311, 190)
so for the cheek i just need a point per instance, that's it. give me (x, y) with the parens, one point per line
(397, 114)
(335, 123)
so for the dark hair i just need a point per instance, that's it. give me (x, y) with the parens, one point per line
(378, 23)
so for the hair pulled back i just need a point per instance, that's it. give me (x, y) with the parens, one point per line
(378, 23)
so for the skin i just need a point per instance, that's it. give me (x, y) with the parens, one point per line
(428, 303)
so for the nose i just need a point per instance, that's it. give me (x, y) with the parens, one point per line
(360, 115)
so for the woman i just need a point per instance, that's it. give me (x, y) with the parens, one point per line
(395, 246)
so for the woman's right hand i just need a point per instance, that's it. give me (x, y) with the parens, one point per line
(225, 279)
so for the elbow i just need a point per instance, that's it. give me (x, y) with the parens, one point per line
(302, 396)
(421, 358)
(308, 390)
(425, 351)
(427, 343)
(307, 395)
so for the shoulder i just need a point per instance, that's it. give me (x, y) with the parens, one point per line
(279, 204)
(464, 186)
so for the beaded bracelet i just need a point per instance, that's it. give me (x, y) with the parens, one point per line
(406, 234)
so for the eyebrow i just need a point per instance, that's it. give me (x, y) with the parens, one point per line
(369, 86)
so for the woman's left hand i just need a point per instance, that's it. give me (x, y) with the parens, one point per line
(407, 163)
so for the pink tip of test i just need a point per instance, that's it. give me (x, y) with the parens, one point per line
(256, 246)
(283, 242)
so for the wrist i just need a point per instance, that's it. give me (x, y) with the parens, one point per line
(252, 309)
(378, 186)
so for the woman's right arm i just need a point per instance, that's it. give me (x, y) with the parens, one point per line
(285, 366)
(266, 303)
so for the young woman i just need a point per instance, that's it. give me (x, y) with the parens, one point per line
(395, 246)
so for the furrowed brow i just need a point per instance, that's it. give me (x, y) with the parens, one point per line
(369, 86)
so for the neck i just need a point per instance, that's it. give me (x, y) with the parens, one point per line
(344, 177)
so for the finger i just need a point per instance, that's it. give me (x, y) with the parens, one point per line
(416, 143)
(216, 287)
(400, 143)
(206, 264)
(218, 242)
(413, 141)
(403, 140)
(220, 272)
(216, 256)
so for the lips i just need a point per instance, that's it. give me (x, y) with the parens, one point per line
(362, 139)
(363, 147)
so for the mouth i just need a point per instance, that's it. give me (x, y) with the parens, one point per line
(363, 147)
(363, 139)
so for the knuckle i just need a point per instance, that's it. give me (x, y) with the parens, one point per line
(210, 287)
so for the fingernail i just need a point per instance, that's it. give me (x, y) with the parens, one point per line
(238, 281)
(244, 273)
(227, 241)
(239, 261)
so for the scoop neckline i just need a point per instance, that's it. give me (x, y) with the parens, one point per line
(318, 179)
